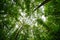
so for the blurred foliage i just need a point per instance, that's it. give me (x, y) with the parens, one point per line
(19, 22)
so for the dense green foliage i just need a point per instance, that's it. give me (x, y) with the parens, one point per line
(19, 22)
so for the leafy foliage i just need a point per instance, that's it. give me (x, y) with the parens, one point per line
(19, 22)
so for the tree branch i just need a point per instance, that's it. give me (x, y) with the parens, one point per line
(44, 2)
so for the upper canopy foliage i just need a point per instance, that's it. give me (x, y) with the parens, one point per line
(19, 22)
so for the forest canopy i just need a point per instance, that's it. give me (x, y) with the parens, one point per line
(19, 21)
